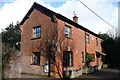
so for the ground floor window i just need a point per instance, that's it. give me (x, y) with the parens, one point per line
(97, 55)
(67, 59)
(36, 58)
(83, 57)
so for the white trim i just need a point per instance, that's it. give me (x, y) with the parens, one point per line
(101, 53)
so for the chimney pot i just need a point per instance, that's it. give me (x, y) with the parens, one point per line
(75, 18)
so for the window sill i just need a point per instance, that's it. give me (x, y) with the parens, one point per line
(87, 43)
(35, 38)
(67, 66)
(35, 64)
(68, 37)
(83, 62)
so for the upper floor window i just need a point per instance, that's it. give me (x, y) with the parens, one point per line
(67, 31)
(87, 38)
(37, 32)
(96, 41)
(67, 59)
(36, 58)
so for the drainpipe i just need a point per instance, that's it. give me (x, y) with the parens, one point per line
(49, 63)
(85, 48)
(85, 43)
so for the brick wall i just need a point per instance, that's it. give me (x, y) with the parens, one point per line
(28, 45)
(12, 65)
(76, 44)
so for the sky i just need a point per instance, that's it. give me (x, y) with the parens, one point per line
(15, 10)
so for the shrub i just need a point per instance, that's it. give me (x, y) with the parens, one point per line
(89, 58)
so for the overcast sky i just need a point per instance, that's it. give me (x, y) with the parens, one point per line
(15, 10)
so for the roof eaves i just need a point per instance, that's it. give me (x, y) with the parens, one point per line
(75, 24)
(27, 15)
(50, 14)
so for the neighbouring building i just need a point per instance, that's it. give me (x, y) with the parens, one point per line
(48, 37)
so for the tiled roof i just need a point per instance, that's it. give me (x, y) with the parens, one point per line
(50, 13)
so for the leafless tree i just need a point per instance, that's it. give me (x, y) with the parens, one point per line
(49, 44)
(113, 33)
(53, 44)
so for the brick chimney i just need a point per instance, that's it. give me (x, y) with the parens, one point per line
(75, 18)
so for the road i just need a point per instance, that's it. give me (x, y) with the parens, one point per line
(104, 73)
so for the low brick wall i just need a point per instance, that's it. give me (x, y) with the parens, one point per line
(87, 70)
(76, 73)
(12, 68)
(72, 73)
(105, 65)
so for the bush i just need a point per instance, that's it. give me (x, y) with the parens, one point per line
(89, 58)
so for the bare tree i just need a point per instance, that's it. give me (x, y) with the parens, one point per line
(53, 44)
(113, 33)
(49, 42)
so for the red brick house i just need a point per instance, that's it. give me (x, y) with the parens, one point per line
(46, 32)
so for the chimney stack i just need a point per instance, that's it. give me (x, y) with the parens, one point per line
(75, 18)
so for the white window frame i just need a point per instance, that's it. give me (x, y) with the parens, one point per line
(68, 32)
(37, 32)
(87, 38)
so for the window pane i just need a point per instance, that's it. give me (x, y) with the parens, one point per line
(67, 59)
(34, 35)
(87, 38)
(70, 59)
(67, 31)
(36, 58)
(83, 57)
(37, 32)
